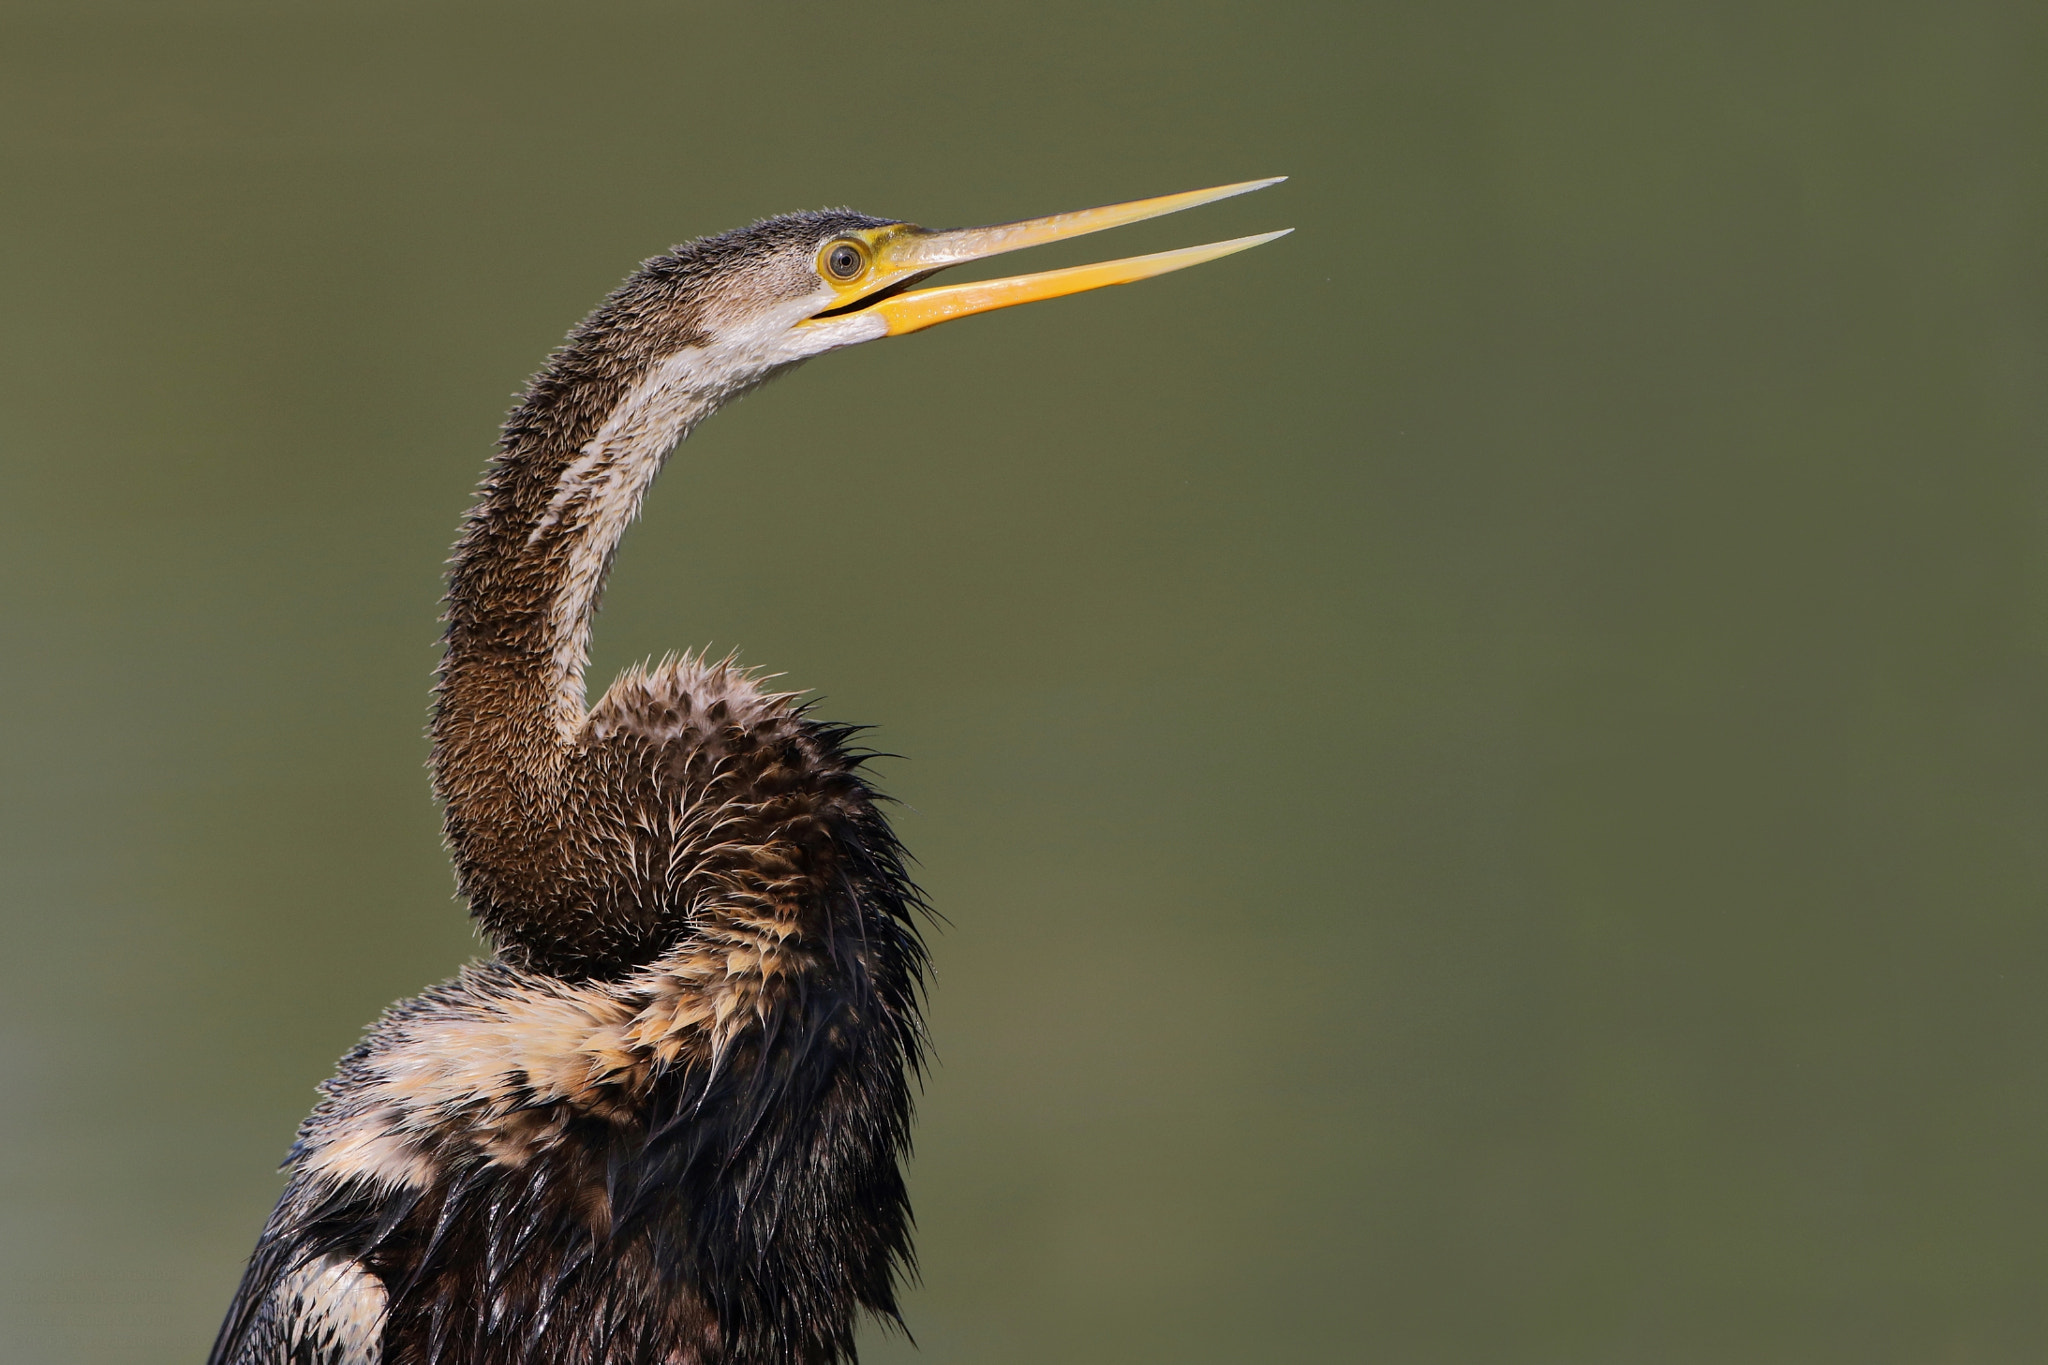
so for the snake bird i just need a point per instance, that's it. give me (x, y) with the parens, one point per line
(663, 1121)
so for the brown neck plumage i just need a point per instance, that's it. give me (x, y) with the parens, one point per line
(573, 465)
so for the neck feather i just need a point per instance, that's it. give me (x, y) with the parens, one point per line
(575, 463)
(530, 568)
(525, 580)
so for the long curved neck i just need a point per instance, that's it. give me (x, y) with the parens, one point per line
(575, 462)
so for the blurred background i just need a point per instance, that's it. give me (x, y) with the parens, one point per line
(1486, 763)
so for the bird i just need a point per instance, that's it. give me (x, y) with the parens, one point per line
(663, 1120)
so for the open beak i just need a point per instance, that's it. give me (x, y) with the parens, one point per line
(905, 254)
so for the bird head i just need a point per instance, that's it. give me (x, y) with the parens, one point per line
(789, 288)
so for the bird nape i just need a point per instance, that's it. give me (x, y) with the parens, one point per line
(664, 1120)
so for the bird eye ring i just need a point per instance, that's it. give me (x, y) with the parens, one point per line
(844, 260)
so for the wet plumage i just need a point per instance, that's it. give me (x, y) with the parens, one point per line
(664, 1121)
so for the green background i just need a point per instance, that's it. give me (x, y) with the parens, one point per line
(1486, 762)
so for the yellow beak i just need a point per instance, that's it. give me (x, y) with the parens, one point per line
(904, 253)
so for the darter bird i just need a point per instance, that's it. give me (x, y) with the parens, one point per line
(662, 1123)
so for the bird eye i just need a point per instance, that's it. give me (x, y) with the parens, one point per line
(844, 261)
